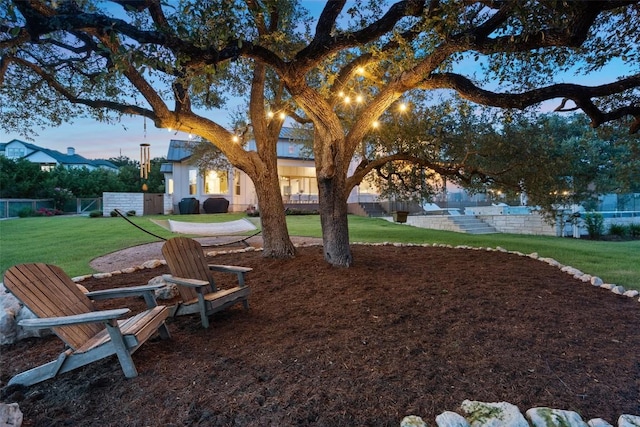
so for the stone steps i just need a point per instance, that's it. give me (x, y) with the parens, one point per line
(373, 209)
(470, 224)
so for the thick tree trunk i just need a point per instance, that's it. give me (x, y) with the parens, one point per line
(275, 235)
(334, 221)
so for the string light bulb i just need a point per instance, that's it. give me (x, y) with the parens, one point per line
(402, 107)
(270, 114)
(375, 124)
(282, 115)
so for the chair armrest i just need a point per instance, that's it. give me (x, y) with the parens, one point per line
(229, 268)
(146, 291)
(192, 283)
(122, 292)
(235, 269)
(75, 319)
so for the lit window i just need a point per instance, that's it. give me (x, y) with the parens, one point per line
(236, 182)
(216, 182)
(193, 181)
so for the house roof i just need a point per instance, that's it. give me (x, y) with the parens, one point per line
(104, 163)
(60, 158)
(180, 149)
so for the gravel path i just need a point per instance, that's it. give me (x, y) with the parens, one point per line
(137, 255)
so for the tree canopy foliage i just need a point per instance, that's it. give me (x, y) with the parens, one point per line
(173, 61)
(552, 160)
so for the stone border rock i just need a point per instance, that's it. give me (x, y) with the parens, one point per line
(504, 414)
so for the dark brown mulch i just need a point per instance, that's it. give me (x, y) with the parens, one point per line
(406, 330)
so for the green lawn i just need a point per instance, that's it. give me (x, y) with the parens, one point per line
(73, 241)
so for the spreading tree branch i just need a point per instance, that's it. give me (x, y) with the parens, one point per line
(579, 94)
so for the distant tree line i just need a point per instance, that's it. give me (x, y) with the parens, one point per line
(25, 180)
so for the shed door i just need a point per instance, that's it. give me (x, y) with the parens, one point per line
(153, 204)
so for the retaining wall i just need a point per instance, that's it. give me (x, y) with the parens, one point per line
(125, 202)
(533, 224)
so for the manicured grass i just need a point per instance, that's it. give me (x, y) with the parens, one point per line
(72, 242)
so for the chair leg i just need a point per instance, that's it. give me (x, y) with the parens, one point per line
(124, 356)
(203, 309)
(204, 318)
(163, 330)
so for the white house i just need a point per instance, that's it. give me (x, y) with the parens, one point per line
(296, 170)
(183, 180)
(49, 159)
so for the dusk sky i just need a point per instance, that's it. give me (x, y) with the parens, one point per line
(93, 140)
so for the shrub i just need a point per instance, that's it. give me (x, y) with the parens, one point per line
(113, 213)
(293, 211)
(95, 214)
(61, 196)
(618, 230)
(25, 212)
(634, 230)
(595, 224)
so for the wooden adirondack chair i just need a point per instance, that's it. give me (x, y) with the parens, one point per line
(90, 335)
(192, 274)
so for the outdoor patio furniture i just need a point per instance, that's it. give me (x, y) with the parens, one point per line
(89, 334)
(198, 291)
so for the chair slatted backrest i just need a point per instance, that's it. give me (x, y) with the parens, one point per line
(186, 259)
(47, 291)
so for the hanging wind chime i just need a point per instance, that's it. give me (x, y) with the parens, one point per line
(145, 159)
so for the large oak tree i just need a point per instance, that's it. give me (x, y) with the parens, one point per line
(137, 56)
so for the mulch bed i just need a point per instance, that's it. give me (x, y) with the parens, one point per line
(406, 330)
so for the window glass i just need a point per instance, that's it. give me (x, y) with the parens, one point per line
(193, 181)
(236, 182)
(216, 182)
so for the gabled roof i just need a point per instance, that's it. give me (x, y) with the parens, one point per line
(104, 163)
(63, 159)
(60, 158)
(180, 150)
